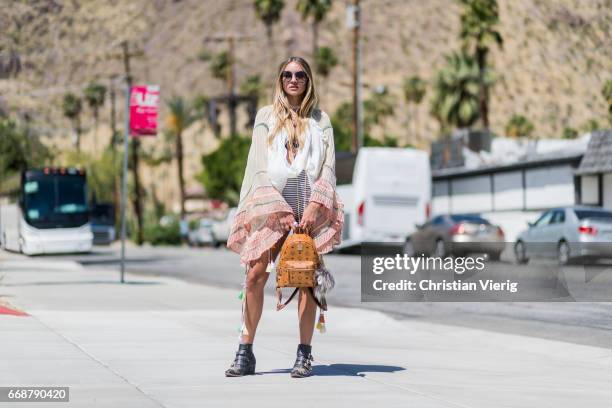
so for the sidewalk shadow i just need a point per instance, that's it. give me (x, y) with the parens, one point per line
(350, 370)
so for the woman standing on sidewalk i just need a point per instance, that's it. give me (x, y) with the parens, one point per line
(290, 179)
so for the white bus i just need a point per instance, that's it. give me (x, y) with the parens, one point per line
(51, 214)
(389, 193)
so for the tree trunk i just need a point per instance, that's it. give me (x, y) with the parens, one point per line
(269, 34)
(77, 133)
(315, 38)
(417, 136)
(179, 161)
(95, 144)
(231, 104)
(483, 92)
(137, 191)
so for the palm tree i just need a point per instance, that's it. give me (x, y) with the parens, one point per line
(200, 105)
(455, 101)
(317, 9)
(179, 119)
(478, 22)
(519, 126)
(221, 65)
(269, 11)
(94, 95)
(414, 91)
(379, 106)
(252, 86)
(72, 107)
(325, 60)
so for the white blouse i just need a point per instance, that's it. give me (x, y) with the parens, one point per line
(310, 157)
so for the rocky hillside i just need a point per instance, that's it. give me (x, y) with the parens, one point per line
(556, 56)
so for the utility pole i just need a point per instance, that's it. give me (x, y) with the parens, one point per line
(113, 112)
(113, 143)
(135, 142)
(232, 100)
(135, 145)
(354, 22)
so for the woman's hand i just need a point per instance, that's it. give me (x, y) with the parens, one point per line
(286, 221)
(310, 215)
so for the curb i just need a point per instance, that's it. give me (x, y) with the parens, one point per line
(42, 264)
(4, 310)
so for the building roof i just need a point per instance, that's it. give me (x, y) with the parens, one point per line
(598, 157)
(508, 154)
(549, 159)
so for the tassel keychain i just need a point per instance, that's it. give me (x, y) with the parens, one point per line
(279, 298)
(242, 329)
(321, 322)
(270, 266)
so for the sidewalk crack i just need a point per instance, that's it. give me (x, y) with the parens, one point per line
(100, 362)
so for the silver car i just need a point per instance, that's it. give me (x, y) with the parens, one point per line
(202, 234)
(456, 234)
(221, 228)
(567, 234)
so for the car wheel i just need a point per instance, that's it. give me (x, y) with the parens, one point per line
(563, 253)
(215, 243)
(409, 248)
(440, 249)
(520, 253)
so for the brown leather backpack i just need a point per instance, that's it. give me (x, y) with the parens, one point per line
(297, 265)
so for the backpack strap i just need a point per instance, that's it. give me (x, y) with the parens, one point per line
(280, 305)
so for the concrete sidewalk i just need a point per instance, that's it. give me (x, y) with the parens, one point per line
(159, 342)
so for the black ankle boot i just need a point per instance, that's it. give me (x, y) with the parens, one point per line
(244, 363)
(303, 362)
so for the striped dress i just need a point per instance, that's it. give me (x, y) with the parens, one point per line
(297, 191)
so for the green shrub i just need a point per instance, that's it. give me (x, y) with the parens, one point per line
(156, 234)
(153, 232)
(569, 133)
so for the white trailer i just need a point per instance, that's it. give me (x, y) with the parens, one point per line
(390, 193)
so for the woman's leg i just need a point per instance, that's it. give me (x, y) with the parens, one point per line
(255, 284)
(307, 311)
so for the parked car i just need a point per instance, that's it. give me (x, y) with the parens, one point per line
(221, 228)
(202, 234)
(102, 218)
(567, 234)
(456, 234)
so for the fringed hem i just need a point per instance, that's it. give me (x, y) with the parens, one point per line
(258, 244)
(331, 236)
(252, 244)
(323, 193)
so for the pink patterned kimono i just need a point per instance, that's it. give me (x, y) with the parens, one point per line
(256, 228)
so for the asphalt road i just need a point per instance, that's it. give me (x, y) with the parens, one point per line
(588, 323)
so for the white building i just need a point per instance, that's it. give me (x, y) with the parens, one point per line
(514, 182)
(595, 171)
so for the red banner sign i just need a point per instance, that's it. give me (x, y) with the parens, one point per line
(144, 101)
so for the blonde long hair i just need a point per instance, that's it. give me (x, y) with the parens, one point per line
(282, 109)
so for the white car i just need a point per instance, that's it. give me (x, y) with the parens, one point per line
(221, 228)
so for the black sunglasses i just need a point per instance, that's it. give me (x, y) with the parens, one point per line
(299, 75)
